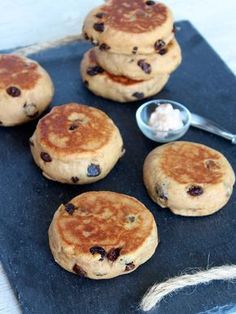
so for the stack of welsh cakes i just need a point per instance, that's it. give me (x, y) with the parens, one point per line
(135, 49)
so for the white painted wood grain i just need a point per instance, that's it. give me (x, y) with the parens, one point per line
(24, 22)
(8, 302)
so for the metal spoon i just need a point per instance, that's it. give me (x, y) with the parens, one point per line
(212, 127)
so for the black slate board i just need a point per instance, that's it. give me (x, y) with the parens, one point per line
(28, 200)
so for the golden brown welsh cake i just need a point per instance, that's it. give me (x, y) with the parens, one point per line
(191, 179)
(25, 90)
(76, 144)
(126, 27)
(140, 67)
(117, 88)
(102, 235)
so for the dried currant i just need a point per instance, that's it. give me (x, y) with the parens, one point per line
(94, 70)
(138, 95)
(195, 190)
(150, 2)
(73, 127)
(13, 91)
(45, 157)
(79, 271)
(135, 49)
(113, 254)
(70, 208)
(93, 170)
(75, 179)
(146, 67)
(86, 37)
(98, 250)
(129, 266)
(163, 197)
(104, 47)
(99, 27)
(160, 44)
(160, 193)
(162, 51)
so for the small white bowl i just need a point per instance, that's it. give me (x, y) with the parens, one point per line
(143, 115)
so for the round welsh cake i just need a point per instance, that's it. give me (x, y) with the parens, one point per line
(25, 90)
(191, 179)
(127, 27)
(101, 235)
(117, 88)
(76, 144)
(140, 67)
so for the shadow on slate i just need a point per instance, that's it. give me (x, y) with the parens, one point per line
(28, 200)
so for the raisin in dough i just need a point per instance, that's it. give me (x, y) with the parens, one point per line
(191, 179)
(101, 235)
(26, 90)
(140, 67)
(128, 27)
(117, 88)
(76, 144)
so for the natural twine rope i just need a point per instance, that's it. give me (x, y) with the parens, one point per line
(47, 45)
(157, 292)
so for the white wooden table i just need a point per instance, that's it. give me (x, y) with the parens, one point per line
(49, 20)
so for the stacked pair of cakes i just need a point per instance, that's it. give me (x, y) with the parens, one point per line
(136, 50)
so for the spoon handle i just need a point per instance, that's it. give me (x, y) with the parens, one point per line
(212, 127)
